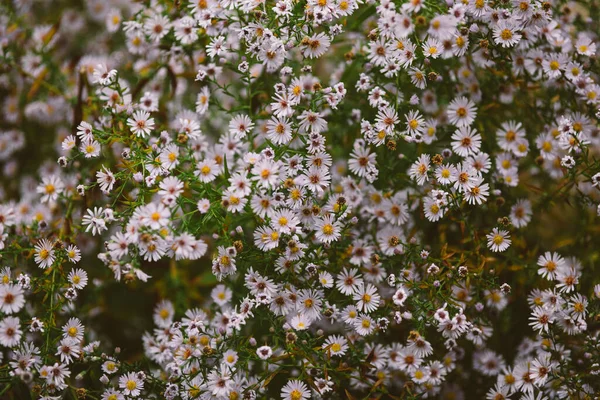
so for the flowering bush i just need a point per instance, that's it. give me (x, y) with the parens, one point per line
(297, 199)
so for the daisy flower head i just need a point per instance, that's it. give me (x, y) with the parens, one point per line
(106, 180)
(241, 125)
(131, 384)
(140, 123)
(327, 230)
(367, 298)
(335, 345)
(498, 240)
(466, 141)
(295, 390)
(506, 33)
(94, 220)
(420, 169)
(78, 278)
(44, 254)
(12, 298)
(461, 112)
(90, 148)
(50, 188)
(316, 45)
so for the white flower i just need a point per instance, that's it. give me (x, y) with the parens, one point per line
(498, 240)
(295, 390)
(12, 298)
(94, 221)
(44, 254)
(106, 180)
(131, 384)
(50, 188)
(141, 124)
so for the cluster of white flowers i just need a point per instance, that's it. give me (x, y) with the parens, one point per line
(326, 199)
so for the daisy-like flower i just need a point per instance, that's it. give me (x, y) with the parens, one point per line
(541, 319)
(90, 148)
(50, 188)
(185, 30)
(169, 156)
(316, 179)
(106, 180)
(461, 112)
(415, 124)
(466, 141)
(315, 46)
(478, 192)
(44, 254)
(266, 172)
(361, 161)
(131, 384)
(417, 78)
(364, 325)
(367, 298)
(335, 345)
(506, 33)
(327, 230)
(509, 135)
(432, 209)
(520, 213)
(240, 126)
(94, 220)
(585, 46)
(207, 170)
(78, 278)
(10, 332)
(85, 131)
(141, 124)
(103, 75)
(420, 168)
(73, 329)
(264, 352)
(348, 281)
(498, 240)
(567, 278)
(12, 298)
(311, 121)
(549, 264)
(157, 26)
(279, 130)
(170, 186)
(69, 142)
(295, 390)
(432, 48)
(73, 253)
(300, 322)
(203, 206)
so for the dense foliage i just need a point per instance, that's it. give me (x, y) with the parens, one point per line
(339, 199)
